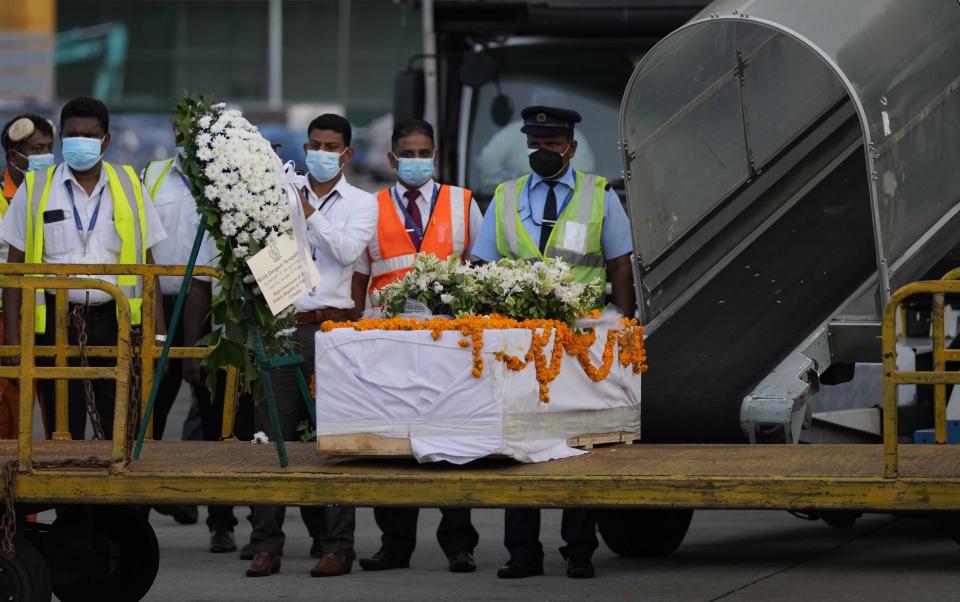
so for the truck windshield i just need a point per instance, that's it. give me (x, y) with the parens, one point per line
(588, 80)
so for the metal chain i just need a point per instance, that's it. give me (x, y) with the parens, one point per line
(8, 519)
(90, 397)
(133, 403)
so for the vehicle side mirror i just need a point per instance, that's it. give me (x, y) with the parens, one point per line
(477, 69)
(408, 95)
(501, 109)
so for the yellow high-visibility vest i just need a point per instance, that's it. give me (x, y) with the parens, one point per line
(154, 175)
(585, 208)
(128, 217)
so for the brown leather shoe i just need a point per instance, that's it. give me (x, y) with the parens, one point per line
(332, 565)
(264, 564)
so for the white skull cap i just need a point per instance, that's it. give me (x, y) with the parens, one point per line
(21, 129)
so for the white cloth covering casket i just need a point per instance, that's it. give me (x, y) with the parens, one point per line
(405, 384)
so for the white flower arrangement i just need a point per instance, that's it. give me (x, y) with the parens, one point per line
(516, 289)
(239, 186)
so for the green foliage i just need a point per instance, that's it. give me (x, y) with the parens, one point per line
(307, 433)
(512, 288)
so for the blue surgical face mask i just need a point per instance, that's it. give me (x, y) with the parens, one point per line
(182, 152)
(81, 153)
(323, 165)
(36, 162)
(415, 171)
(40, 162)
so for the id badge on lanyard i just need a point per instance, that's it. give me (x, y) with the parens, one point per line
(419, 231)
(84, 234)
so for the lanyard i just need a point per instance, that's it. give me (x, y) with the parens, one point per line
(186, 182)
(84, 235)
(418, 230)
(560, 206)
(333, 194)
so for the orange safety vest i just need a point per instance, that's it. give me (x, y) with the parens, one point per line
(9, 190)
(448, 232)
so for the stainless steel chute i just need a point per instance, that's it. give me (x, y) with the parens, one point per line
(787, 165)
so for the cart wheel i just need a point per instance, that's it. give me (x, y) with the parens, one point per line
(950, 522)
(840, 519)
(25, 577)
(643, 533)
(130, 554)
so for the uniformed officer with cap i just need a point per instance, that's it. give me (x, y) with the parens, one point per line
(557, 212)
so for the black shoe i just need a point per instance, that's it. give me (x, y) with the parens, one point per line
(462, 562)
(182, 513)
(221, 541)
(580, 568)
(516, 569)
(247, 552)
(316, 549)
(384, 560)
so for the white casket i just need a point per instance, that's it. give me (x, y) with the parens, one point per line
(405, 388)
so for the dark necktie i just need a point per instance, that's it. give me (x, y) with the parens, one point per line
(414, 222)
(549, 216)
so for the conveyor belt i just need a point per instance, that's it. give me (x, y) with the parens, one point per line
(769, 277)
(695, 476)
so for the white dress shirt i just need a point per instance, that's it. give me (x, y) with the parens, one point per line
(177, 210)
(61, 240)
(424, 202)
(339, 231)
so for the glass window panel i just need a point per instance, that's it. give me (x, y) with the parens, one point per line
(780, 107)
(678, 177)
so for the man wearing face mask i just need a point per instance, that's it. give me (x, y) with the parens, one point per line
(417, 215)
(557, 212)
(340, 220)
(28, 146)
(82, 211)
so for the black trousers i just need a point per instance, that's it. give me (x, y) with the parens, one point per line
(101, 328)
(331, 526)
(521, 533)
(399, 526)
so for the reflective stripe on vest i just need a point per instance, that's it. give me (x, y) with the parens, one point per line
(154, 176)
(585, 208)
(129, 221)
(447, 233)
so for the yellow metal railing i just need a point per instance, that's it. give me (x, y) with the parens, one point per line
(939, 377)
(60, 278)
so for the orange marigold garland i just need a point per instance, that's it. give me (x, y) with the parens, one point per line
(628, 341)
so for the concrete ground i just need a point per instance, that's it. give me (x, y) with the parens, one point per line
(727, 555)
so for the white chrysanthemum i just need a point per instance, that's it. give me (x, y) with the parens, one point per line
(286, 332)
(245, 180)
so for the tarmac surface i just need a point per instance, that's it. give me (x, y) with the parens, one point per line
(727, 555)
